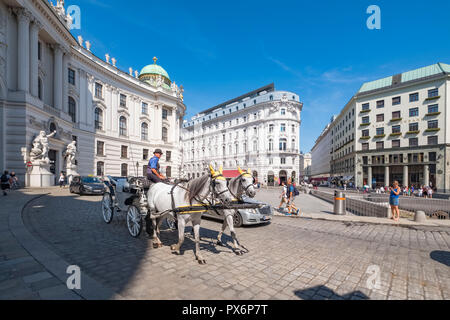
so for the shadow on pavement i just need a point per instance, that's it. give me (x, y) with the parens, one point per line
(441, 256)
(325, 293)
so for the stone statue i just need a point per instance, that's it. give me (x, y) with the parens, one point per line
(70, 153)
(159, 81)
(40, 147)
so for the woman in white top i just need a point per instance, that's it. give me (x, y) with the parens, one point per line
(62, 178)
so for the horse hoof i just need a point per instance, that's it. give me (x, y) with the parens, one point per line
(202, 261)
(157, 245)
(219, 243)
(173, 247)
(239, 252)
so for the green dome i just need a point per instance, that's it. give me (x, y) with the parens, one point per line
(154, 69)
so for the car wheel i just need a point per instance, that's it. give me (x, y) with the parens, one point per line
(237, 220)
(71, 190)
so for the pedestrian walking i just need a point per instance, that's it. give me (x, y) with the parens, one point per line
(62, 180)
(4, 179)
(283, 196)
(393, 200)
(292, 193)
(430, 192)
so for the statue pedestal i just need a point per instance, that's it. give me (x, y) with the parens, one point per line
(41, 176)
(71, 172)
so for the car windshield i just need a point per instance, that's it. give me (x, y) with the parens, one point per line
(90, 180)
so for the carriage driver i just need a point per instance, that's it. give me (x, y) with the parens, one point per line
(153, 173)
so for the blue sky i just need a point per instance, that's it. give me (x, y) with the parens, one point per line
(321, 50)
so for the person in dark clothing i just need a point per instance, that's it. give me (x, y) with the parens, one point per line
(5, 182)
(153, 173)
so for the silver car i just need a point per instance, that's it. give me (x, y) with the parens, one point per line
(246, 216)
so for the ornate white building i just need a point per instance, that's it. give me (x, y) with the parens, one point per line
(51, 81)
(259, 130)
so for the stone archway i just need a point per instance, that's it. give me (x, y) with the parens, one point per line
(270, 179)
(283, 176)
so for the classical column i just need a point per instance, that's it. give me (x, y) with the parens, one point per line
(426, 175)
(23, 49)
(369, 177)
(36, 26)
(386, 176)
(405, 175)
(57, 77)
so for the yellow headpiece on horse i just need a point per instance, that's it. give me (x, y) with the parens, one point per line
(216, 175)
(245, 174)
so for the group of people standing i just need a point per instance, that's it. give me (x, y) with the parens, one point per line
(288, 196)
(9, 181)
(422, 191)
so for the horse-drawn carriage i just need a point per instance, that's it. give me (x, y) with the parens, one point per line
(184, 201)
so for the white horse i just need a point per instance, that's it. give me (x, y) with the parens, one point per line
(238, 186)
(163, 198)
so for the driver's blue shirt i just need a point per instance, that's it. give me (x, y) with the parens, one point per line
(153, 164)
(291, 190)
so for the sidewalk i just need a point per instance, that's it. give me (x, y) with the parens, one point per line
(21, 276)
(29, 270)
(362, 219)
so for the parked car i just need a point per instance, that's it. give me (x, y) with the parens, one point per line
(246, 216)
(87, 185)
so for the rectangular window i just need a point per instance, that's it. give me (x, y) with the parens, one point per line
(98, 91)
(123, 101)
(433, 93)
(283, 112)
(168, 155)
(432, 140)
(432, 156)
(414, 112)
(100, 148)
(414, 97)
(39, 50)
(144, 108)
(365, 133)
(366, 106)
(365, 146)
(124, 152)
(433, 108)
(433, 124)
(395, 143)
(414, 126)
(380, 131)
(145, 154)
(71, 76)
(396, 101)
(380, 117)
(380, 104)
(365, 120)
(165, 114)
(283, 160)
(380, 145)
(396, 115)
(283, 127)
(396, 129)
(413, 142)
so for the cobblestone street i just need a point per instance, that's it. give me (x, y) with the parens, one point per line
(288, 258)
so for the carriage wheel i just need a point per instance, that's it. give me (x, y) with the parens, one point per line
(134, 221)
(107, 208)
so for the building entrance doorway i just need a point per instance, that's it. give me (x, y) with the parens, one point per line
(283, 176)
(270, 179)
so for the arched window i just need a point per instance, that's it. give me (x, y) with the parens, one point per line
(271, 145)
(236, 148)
(98, 119)
(164, 134)
(255, 145)
(124, 170)
(72, 109)
(144, 131)
(123, 126)
(283, 143)
(293, 144)
(169, 171)
(100, 169)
